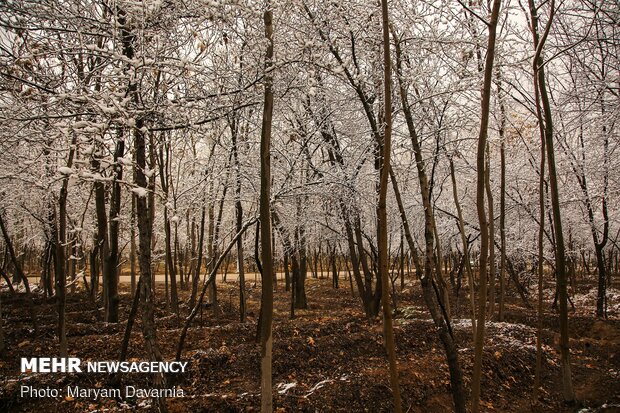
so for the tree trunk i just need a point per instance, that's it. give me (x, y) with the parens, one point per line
(102, 233)
(144, 257)
(132, 245)
(541, 240)
(61, 264)
(111, 278)
(201, 239)
(433, 301)
(234, 129)
(540, 84)
(466, 257)
(301, 301)
(480, 205)
(382, 222)
(489, 194)
(502, 205)
(266, 339)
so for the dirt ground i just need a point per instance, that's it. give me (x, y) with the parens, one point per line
(327, 359)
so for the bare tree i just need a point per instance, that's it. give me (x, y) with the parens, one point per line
(266, 338)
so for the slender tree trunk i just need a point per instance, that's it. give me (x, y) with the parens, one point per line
(111, 278)
(201, 238)
(355, 263)
(466, 257)
(144, 258)
(541, 240)
(102, 232)
(301, 301)
(266, 338)
(502, 204)
(170, 267)
(482, 216)
(433, 301)
(130, 322)
(132, 245)
(560, 256)
(94, 269)
(234, 129)
(211, 244)
(170, 264)
(61, 263)
(287, 273)
(382, 222)
(489, 194)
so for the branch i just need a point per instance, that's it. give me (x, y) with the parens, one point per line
(473, 13)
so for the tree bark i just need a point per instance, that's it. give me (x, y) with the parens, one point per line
(111, 277)
(433, 301)
(487, 184)
(568, 392)
(266, 339)
(382, 222)
(466, 258)
(480, 204)
(238, 218)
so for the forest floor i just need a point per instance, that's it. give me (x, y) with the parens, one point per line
(327, 359)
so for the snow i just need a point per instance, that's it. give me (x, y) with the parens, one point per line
(505, 335)
(91, 129)
(140, 192)
(65, 170)
(282, 388)
(317, 386)
(107, 109)
(124, 161)
(587, 301)
(81, 124)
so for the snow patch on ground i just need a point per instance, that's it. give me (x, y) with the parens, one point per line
(588, 300)
(282, 388)
(505, 335)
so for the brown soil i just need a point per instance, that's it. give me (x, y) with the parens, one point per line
(332, 355)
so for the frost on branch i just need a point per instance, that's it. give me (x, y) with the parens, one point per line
(140, 192)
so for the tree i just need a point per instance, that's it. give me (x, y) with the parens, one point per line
(266, 338)
(545, 118)
(382, 224)
(481, 172)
